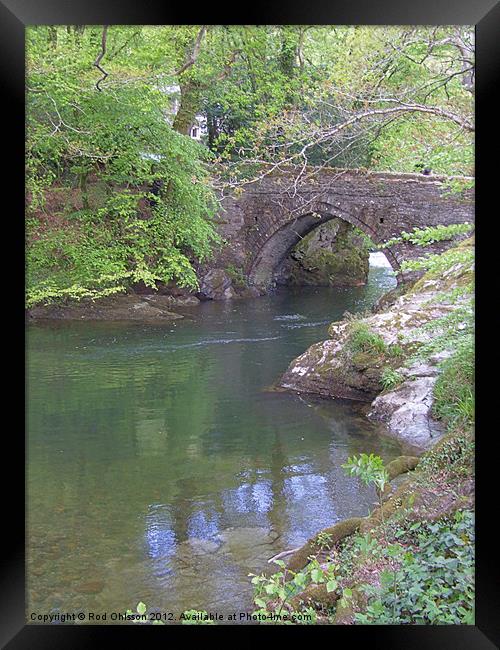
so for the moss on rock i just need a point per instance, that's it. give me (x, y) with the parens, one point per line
(400, 465)
(334, 254)
(314, 596)
(335, 533)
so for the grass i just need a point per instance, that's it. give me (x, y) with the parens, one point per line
(362, 339)
(454, 398)
(390, 378)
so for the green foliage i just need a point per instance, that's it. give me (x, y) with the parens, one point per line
(454, 266)
(457, 186)
(447, 332)
(361, 339)
(341, 71)
(265, 91)
(429, 574)
(395, 351)
(367, 545)
(140, 616)
(323, 539)
(390, 378)
(454, 455)
(406, 144)
(437, 264)
(273, 593)
(118, 139)
(430, 235)
(188, 617)
(369, 468)
(454, 390)
(434, 580)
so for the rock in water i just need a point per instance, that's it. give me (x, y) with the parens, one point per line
(216, 285)
(351, 363)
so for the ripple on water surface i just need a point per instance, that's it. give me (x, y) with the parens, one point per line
(159, 467)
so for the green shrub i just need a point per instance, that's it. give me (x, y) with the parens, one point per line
(430, 235)
(434, 582)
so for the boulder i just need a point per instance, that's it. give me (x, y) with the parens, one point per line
(216, 285)
(406, 412)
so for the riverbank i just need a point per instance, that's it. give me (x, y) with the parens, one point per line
(392, 358)
(143, 304)
(155, 308)
(167, 429)
(411, 560)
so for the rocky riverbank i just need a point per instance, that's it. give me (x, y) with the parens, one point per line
(386, 358)
(410, 560)
(128, 307)
(361, 569)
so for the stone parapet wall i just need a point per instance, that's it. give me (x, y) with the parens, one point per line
(266, 220)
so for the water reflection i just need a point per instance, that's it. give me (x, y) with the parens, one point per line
(204, 525)
(159, 467)
(249, 498)
(160, 537)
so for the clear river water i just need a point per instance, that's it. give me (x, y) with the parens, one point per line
(162, 469)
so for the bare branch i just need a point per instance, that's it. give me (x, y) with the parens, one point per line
(194, 54)
(97, 62)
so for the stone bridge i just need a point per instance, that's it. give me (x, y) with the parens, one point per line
(264, 222)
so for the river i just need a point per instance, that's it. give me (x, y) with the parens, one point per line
(162, 469)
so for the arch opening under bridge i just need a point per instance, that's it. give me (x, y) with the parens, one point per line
(283, 240)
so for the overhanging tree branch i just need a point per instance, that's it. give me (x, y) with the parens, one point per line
(191, 60)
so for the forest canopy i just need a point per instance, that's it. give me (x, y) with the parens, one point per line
(119, 193)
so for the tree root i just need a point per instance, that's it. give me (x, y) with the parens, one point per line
(343, 529)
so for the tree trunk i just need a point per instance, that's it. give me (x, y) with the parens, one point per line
(189, 107)
(53, 35)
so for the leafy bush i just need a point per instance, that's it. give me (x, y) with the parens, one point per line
(440, 263)
(430, 235)
(323, 539)
(434, 582)
(118, 140)
(369, 468)
(273, 593)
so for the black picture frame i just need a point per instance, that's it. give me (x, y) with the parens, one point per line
(15, 15)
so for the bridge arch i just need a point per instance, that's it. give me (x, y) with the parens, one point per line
(282, 240)
(264, 222)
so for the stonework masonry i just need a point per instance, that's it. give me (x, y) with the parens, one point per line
(264, 222)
